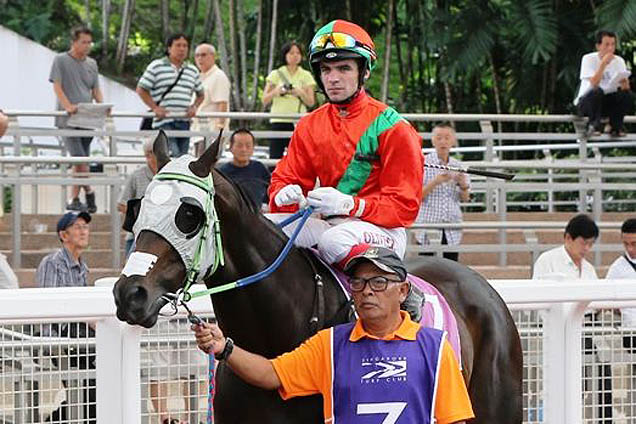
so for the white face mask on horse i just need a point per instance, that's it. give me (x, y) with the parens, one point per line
(176, 190)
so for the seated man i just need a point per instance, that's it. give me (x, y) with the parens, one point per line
(321, 365)
(250, 174)
(568, 261)
(604, 89)
(65, 268)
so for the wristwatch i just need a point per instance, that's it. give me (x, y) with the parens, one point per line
(227, 350)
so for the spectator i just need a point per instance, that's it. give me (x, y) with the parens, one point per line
(443, 191)
(178, 80)
(65, 268)
(322, 365)
(599, 93)
(75, 79)
(8, 279)
(4, 123)
(136, 185)
(625, 267)
(216, 89)
(290, 89)
(568, 261)
(250, 174)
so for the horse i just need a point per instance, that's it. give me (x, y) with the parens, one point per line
(278, 313)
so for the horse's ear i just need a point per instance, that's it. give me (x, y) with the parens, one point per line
(160, 149)
(203, 166)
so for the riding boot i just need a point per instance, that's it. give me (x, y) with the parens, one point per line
(413, 303)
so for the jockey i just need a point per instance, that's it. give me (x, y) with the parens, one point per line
(355, 159)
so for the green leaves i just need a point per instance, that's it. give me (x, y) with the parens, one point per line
(618, 15)
(534, 25)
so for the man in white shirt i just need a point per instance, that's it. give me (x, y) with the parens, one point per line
(216, 89)
(604, 89)
(568, 262)
(624, 267)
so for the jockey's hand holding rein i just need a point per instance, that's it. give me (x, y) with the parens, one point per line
(329, 201)
(253, 369)
(291, 194)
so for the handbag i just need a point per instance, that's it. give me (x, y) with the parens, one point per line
(146, 123)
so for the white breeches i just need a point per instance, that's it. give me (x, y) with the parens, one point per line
(337, 236)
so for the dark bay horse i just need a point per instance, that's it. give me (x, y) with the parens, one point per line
(273, 316)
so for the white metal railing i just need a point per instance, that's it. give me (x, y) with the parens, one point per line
(561, 379)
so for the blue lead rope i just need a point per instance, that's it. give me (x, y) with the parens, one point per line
(303, 215)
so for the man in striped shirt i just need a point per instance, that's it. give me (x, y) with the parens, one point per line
(158, 78)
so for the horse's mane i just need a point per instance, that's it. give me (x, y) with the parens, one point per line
(250, 205)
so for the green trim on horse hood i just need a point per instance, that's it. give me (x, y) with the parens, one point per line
(359, 169)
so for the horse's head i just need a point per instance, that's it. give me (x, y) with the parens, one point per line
(175, 233)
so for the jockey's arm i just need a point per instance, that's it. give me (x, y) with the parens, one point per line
(295, 168)
(400, 180)
(251, 368)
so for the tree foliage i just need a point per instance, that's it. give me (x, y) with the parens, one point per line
(486, 56)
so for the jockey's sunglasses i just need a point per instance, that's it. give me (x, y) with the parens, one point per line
(377, 284)
(337, 40)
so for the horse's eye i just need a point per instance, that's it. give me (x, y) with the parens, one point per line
(189, 219)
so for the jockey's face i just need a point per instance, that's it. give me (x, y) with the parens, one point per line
(378, 306)
(340, 78)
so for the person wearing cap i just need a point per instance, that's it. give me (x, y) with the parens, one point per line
(366, 158)
(382, 364)
(65, 267)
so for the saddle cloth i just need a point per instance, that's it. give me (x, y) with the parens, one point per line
(435, 310)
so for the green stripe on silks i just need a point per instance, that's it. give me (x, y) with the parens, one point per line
(359, 169)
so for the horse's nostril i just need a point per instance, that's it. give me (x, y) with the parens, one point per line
(136, 295)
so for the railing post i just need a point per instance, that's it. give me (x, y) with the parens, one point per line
(118, 372)
(115, 226)
(550, 159)
(553, 363)
(582, 140)
(573, 365)
(112, 141)
(501, 209)
(597, 205)
(13, 170)
(489, 155)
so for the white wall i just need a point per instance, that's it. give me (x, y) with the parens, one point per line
(24, 83)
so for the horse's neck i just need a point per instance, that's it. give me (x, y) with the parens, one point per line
(281, 301)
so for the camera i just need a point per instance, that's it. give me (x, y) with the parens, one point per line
(287, 87)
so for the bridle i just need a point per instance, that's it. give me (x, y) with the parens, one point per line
(183, 295)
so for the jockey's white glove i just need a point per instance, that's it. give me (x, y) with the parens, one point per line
(290, 195)
(330, 201)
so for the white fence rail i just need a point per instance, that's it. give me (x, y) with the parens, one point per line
(576, 368)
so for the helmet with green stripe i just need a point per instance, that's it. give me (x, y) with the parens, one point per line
(339, 40)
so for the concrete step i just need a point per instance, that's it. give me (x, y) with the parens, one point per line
(49, 240)
(94, 258)
(48, 222)
(26, 276)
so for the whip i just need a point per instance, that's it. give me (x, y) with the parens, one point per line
(492, 174)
